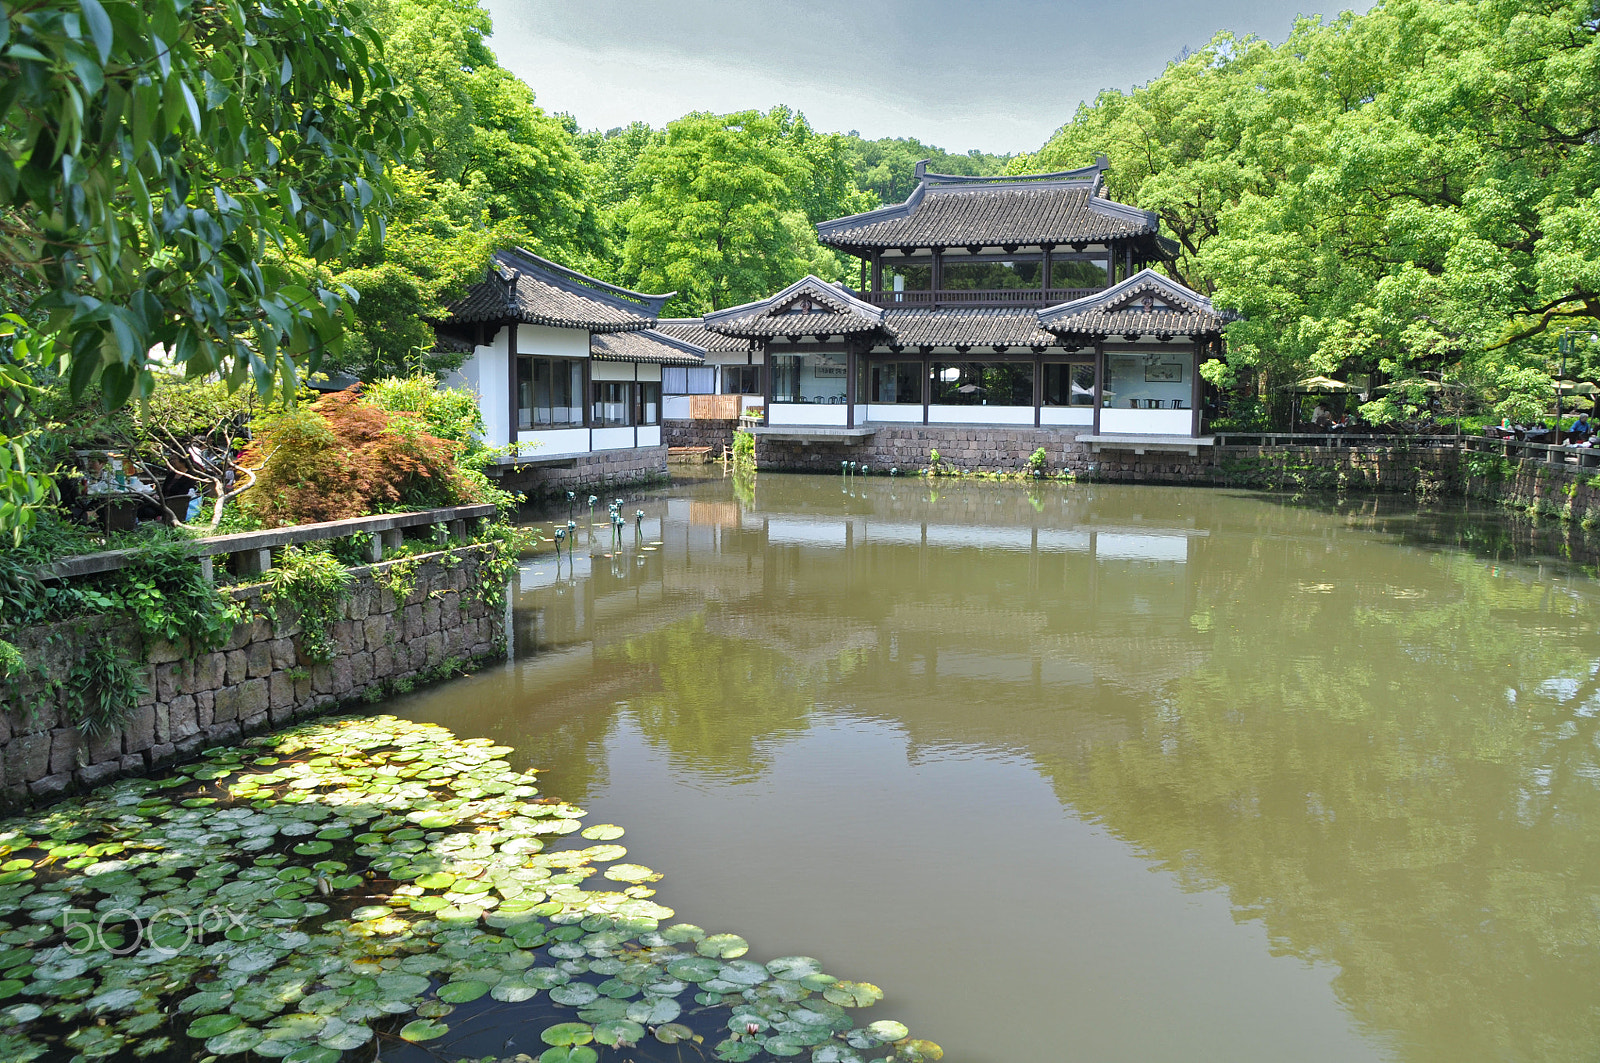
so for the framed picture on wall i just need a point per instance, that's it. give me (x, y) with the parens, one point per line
(1163, 372)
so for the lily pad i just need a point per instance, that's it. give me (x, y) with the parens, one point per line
(853, 994)
(567, 1033)
(602, 832)
(463, 991)
(672, 1033)
(723, 946)
(574, 994)
(212, 1025)
(423, 1030)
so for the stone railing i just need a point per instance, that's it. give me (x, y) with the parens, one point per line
(1583, 457)
(250, 553)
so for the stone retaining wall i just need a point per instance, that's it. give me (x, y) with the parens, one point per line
(602, 469)
(259, 679)
(714, 434)
(979, 449)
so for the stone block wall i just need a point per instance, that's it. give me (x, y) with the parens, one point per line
(715, 434)
(979, 449)
(257, 680)
(602, 469)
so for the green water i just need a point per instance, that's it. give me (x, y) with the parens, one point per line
(1091, 772)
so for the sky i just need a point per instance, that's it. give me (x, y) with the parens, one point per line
(996, 75)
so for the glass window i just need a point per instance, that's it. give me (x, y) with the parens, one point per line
(612, 403)
(741, 380)
(1153, 381)
(549, 392)
(908, 275)
(982, 383)
(674, 380)
(1069, 384)
(894, 382)
(817, 378)
(1010, 275)
(1078, 273)
(647, 409)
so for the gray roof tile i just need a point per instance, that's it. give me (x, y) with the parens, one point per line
(647, 345)
(952, 211)
(1147, 304)
(968, 327)
(693, 330)
(808, 307)
(523, 287)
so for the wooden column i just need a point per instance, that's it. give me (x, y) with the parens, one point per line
(1038, 387)
(927, 385)
(863, 274)
(1099, 382)
(936, 280)
(511, 374)
(1194, 420)
(877, 271)
(1046, 263)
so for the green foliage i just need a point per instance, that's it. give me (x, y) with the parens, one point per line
(312, 585)
(1409, 190)
(744, 449)
(12, 663)
(1037, 460)
(168, 597)
(157, 157)
(104, 685)
(25, 486)
(724, 210)
(886, 167)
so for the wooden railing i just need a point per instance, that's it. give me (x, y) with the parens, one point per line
(987, 297)
(251, 552)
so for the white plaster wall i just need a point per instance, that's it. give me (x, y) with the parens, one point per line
(649, 435)
(896, 412)
(648, 370)
(558, 342)
(616, 371)
(613, 438)
(799, 413)
(1147, 422)
(675, 407)
(489, 371)
(980, 415)
(1076, 415)
(554, 443)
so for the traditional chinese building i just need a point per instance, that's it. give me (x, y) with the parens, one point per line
(568, 370)
(1024, 307)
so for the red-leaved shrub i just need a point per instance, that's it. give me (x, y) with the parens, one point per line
(341, 456)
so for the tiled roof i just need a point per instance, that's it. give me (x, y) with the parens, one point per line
(953, 211)
(693, 330)
(523, 287)
(968, 327)
(647, 345)
(808, 307)
(1146, 304)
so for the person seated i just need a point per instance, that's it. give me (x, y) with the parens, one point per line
(1581, 428)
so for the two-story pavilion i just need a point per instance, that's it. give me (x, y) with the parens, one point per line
(1007, 302)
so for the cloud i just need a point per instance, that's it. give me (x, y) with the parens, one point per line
(998, 75)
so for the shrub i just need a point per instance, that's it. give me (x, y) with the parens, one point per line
(342, 456)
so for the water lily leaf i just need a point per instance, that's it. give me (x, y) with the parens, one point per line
(574, 994)
(723, 946)
(694, 968)
(397, 985)
(887, 1030)
(513, 991)
(115, 1000)
(742, 972)
(21, 1013)
(853, 994)
(672, 1033)
(618, 1033)
(784, 1045)
(463, 991)
(732, 1051)
(919, 1051)
(240, 1039)
(211, 1025)
(835, 1053)
(568, 1033)
(575, 1054)
(654, 1012)
(603, 832)
(682, 932)
(631, 873)
(793, 967)
(436, 880)
(313, 848)
(344, 1037)
(423, 1030)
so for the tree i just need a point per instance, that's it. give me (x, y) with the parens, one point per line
(721, 215)
(155, 153)
(887, 167)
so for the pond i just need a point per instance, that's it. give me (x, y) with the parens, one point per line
(1093, 772)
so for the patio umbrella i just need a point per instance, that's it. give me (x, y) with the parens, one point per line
(1575, 387)
(1416, 382)
(1323, 383)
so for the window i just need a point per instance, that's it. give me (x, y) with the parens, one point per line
(1078, 273)
(689, 380)
(1158, 380)
(893, 382)
(958, 276)
(982, 383)
(613, 401)
(647, 402)
(1069, 384)
(810, 378)
(741, 380)
(907, 275)
(549, 392)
